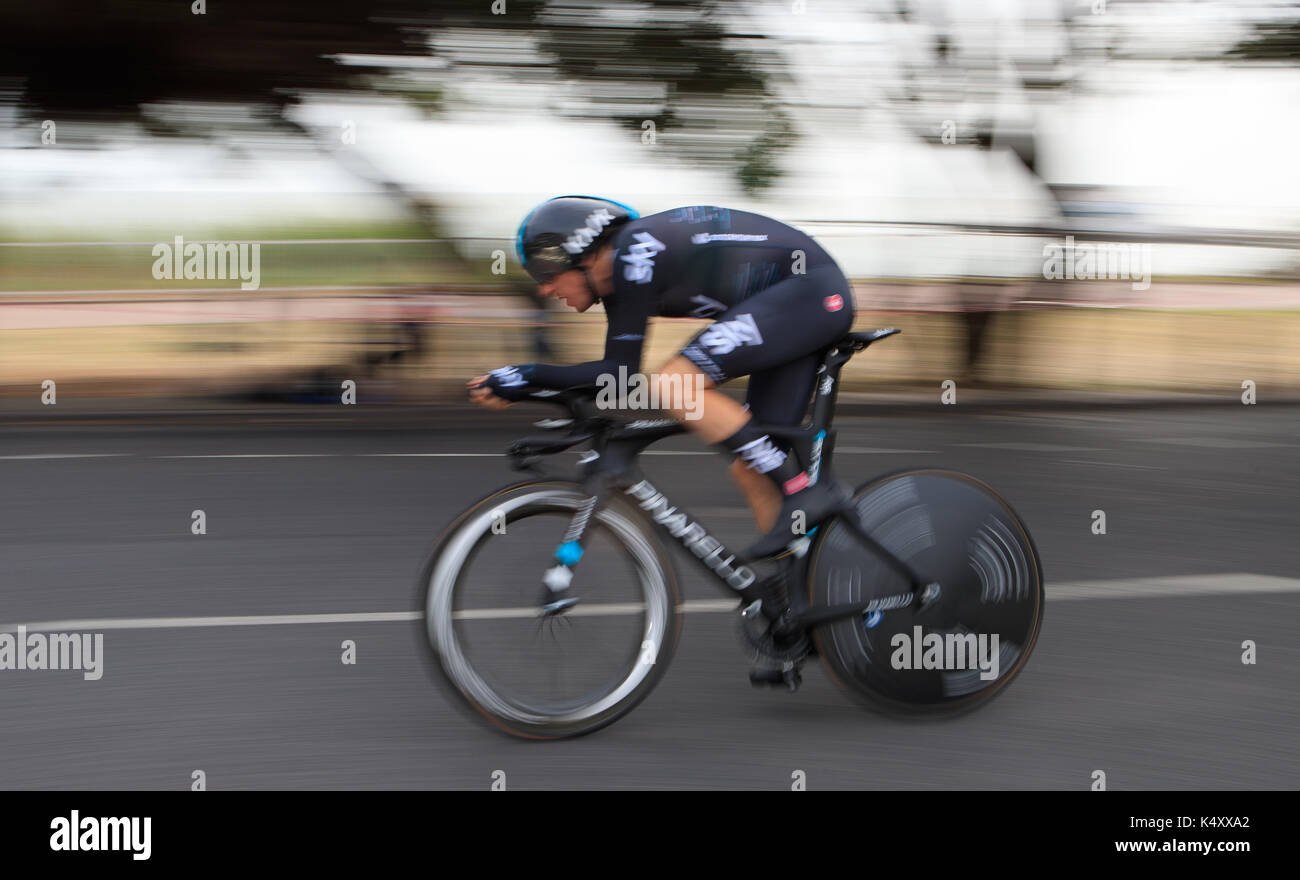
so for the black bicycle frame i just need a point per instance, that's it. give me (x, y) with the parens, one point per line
(609, 468)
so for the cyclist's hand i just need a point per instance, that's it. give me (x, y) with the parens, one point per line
(483, 396)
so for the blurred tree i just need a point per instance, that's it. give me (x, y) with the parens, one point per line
(713, 79)
(110, 62)
(136, 60)
(758, 161)
(1273, 41)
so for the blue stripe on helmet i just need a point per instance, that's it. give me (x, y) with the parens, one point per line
(631, 212)
(519, 236)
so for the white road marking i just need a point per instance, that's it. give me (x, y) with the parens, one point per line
(429, 455)
(189, 622)
(1031, 447)
(1177, 587)
(1145, 467)
(255, 455)
(65, 455)
(707, 606)
(607, 609)
(1180, 587)
(1214, 442)
(1046, 419)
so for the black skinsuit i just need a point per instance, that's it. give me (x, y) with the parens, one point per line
(778, 300)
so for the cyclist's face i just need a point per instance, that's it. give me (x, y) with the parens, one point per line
(570, 287)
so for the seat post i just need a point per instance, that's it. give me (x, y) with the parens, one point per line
(828, 386)
(836, 357)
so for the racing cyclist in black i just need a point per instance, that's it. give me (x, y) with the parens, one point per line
(778, 302)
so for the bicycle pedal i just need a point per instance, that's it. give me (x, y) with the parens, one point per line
(787, 677)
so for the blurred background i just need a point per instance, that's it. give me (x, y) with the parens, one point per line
(382, 153)
(1054, 200)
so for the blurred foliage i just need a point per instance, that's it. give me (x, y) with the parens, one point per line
(108, 61)
(1273, 41)
(758, 167)
(150, 61)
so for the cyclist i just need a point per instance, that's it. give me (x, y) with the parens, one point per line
(778, 302)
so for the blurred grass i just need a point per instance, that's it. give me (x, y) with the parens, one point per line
(1044, 347)
(110, 267)
(131, 267)
(167, 229)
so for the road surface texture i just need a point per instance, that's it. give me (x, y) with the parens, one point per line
(1138, 671)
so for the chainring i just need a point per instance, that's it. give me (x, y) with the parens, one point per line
(756, 634)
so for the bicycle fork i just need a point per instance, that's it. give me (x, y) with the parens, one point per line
(558, 578)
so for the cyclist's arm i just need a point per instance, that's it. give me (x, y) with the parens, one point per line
(624, 340)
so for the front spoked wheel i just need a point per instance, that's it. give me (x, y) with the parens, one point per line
(565, 675)
(961, 650)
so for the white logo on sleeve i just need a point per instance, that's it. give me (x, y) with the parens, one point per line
(509, 377)
(722, 338)
(640, 258)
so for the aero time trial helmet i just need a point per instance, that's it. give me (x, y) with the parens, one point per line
(555, 234)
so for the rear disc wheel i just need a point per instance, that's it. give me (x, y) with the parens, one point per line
(963, 649)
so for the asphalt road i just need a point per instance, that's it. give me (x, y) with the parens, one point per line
(1138, 671)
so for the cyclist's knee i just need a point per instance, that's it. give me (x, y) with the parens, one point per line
(744, 475)
(678, 388)
(682, 368)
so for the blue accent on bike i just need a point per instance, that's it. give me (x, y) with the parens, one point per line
(568, 553)
(872, 620)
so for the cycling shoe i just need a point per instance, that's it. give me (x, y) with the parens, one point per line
(799, 513)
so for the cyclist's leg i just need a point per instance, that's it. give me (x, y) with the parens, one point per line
(775, 397)
(717, 418)
(713, 416)
(788, 322)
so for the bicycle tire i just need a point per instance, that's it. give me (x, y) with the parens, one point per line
(444, 570)
(852, 653)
